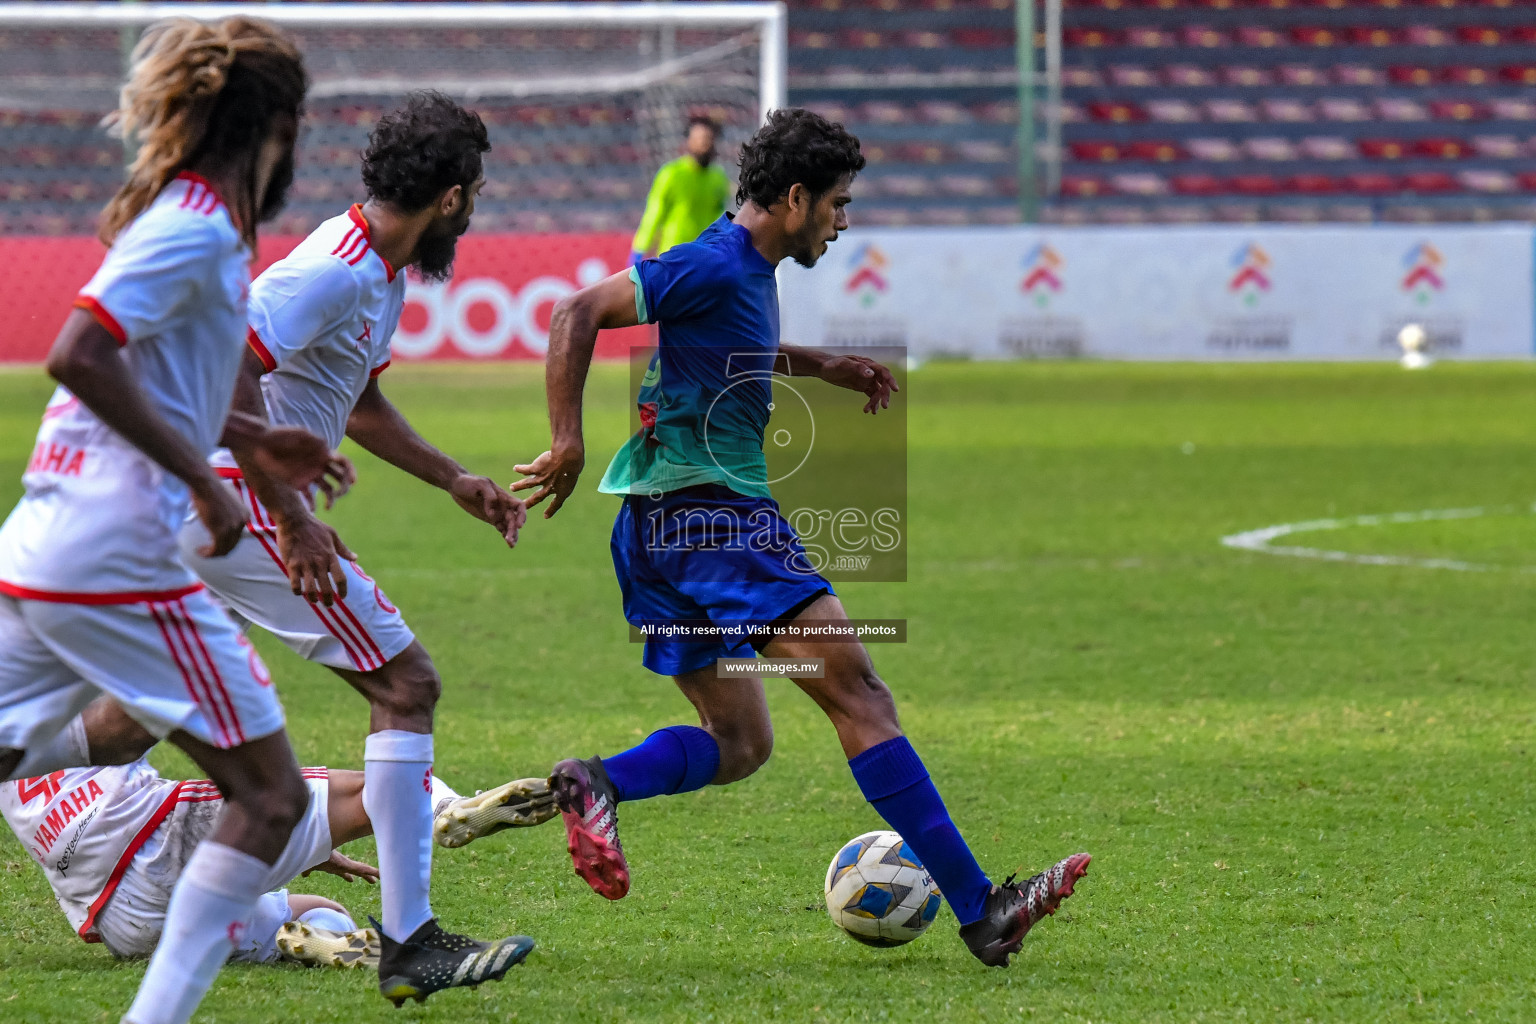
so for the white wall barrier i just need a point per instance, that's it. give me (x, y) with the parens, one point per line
(1248, 292)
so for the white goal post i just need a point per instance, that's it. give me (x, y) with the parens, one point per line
(765, 22)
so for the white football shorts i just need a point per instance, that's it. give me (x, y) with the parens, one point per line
(133, 918)
(360, 633)
(177, 662)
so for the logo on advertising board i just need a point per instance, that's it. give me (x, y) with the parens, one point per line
(1037, 333)
(1423, 283)
(1250, 273)
(1043, 268)
(1423, 272)
(866, 278)
(1250, 276)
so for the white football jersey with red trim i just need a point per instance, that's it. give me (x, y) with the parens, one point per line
(84, 825)
(99, 519)
(321, 320)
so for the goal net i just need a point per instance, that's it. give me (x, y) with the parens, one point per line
(584, 100)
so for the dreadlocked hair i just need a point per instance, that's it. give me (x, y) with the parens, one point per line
(196, 89)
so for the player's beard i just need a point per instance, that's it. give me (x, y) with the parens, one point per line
(435, 252)
(276, 196)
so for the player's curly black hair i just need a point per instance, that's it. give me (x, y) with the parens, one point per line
(423, 149)
(796, 146)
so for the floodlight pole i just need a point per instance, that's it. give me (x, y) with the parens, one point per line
(1024, 30)
(1052, 99)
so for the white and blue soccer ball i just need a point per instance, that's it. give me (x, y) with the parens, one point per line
(879, 892)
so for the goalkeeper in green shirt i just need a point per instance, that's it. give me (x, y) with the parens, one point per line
(688, 195)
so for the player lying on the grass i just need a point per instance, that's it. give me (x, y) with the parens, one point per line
(113, 840)
(699, 536)
(321, 320)
(94, 596)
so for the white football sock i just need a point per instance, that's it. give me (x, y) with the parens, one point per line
(441, 794)
(397, 773)
(69, 749)
(210, 909)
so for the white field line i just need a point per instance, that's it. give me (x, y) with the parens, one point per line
(1260, 539)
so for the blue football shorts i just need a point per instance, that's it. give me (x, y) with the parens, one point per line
(706, 554)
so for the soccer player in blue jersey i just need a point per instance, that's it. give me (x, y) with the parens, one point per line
(699, 537)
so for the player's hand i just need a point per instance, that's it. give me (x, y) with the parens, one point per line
(862, 374)
(312, 552)
(552, 473)
(221, 513)
(299, 459)
(482, 498)
(345, 868)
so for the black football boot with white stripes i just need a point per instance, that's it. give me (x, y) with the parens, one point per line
(432, 960)
(1013, 908)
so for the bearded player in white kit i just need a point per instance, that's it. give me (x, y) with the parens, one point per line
(321, 320)
(94, 596)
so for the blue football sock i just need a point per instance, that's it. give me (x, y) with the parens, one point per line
(677, 759)
(894, 781)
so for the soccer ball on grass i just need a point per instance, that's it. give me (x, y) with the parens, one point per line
(879, 892)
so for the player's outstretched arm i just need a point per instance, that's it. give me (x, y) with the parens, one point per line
(88, 361)
(856, 373)
(382, 429)
(572, 336)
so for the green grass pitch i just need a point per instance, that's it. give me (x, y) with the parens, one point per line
(1307, 786)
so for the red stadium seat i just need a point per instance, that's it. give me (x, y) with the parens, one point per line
(982, 38)
(1095, 152)
(1315, 35)
(1154, 152)
(1198, 185)
(1411, 74)
(1524, 74)
(1311, 183)
(1429, 181)
(1466, 74)
(1090, 37)
(1525, 35)
(1368, 35)
(1115, 112)
(1384, 149)
(1255, 184)
(1479, 35)
(1442, 148)
(1370, 183)
(863, 39)
(1527, 180)
(1458, 110)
